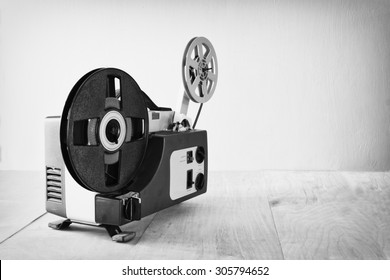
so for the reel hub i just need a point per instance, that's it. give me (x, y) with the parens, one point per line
(112, 130)
(203, 70)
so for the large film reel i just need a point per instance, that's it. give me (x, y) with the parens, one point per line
(200, 70)
(104, 130)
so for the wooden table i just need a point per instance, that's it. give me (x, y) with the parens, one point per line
(244, 215)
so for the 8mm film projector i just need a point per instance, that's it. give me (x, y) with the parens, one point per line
(114, 156)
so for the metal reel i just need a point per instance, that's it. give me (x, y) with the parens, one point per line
(200, 70)
(104, 130)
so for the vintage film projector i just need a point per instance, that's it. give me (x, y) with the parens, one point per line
(114, 156)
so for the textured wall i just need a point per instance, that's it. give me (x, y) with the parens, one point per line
(302, 84)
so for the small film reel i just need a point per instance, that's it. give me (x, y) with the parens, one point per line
(200, 70)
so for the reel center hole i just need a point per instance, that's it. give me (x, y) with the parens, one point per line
(113, 131)
(203, 69)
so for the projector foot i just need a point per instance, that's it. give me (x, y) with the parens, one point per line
(60, 224)
(118, 235)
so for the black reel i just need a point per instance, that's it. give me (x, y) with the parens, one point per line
(104, 130)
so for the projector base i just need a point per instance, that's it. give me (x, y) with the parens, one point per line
(115, 232)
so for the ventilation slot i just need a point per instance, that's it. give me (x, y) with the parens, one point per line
(53, 184)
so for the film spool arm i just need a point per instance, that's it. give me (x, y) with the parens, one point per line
(185, 103)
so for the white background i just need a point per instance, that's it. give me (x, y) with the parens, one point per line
(302, 84)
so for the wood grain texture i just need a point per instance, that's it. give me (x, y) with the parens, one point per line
(229, 222)
(232, 221)
(323, 215)
(244, 215)
(38, 241)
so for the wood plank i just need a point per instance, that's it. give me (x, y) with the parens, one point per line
(332, 215)
(232, 221)
(318, 215)
(373, 193)
(229, 222)
(38, 241)
(22, 199)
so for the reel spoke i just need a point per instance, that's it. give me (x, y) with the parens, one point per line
(211, 76)
(208, 57)
(204, 88)
(199, 51)
(111, 158)
(195, 84)
(192, 63)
